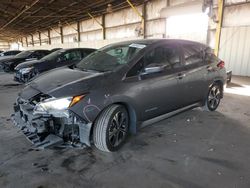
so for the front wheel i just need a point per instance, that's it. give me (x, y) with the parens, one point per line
(111, 128)
(213, 97)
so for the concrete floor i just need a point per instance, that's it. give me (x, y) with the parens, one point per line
(194, 149)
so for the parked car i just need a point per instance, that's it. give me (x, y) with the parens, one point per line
(9, 53)
(10, 63)
(118, 89)
(24, 72)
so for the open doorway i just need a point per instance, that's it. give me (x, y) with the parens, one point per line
(191, 27)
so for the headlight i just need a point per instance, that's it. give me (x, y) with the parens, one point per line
(57, 107)
(53, 105)
(25, 70)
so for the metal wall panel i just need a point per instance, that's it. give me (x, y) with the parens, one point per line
(235, 49)
(237, 15)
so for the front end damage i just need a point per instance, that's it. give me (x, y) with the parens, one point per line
(51, 128)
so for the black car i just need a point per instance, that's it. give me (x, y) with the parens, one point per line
(10, 53)
(10, 63)
(24, 72)
(118, 89)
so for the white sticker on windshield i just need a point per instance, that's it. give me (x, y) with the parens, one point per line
(137, 45)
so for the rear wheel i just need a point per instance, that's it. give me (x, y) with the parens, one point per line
(111, 128)
(213, 97)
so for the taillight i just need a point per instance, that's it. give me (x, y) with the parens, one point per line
(221, 64)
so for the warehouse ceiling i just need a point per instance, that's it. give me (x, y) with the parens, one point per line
(22, 17)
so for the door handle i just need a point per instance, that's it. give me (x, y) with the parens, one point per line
(180, 76)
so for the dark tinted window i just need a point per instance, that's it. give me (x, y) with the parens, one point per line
(15, 52)
(8, 53)
(87, 52)
(39, 54)
(71, 56)
(210, 57)
(163, 55)
(35, 54)
(167, 56)
(193, 54)
(136, 69)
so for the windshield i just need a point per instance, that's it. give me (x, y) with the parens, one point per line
(52, 56)
(24, 54)
(110, 58)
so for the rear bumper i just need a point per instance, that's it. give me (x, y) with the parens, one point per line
(47, 130)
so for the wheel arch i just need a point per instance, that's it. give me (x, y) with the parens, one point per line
(132, 117)
(220, 83)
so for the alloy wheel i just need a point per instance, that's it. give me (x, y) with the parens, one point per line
(118, 128)
(214, 97)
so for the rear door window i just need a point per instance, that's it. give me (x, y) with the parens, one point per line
(193, 55)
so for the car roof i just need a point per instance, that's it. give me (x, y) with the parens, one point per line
(153, 41)
(78, 49)
(68, 49)
(36, 50)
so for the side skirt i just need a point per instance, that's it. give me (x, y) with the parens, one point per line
(167, 115)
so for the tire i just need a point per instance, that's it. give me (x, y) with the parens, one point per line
(213, 97)
(111, 128)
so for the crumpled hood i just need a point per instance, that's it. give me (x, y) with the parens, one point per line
(28, 64)
(65, 82)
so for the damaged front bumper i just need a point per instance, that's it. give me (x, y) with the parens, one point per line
(23, 77)
(47, 130)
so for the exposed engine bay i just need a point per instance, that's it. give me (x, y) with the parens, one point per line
(62, 127)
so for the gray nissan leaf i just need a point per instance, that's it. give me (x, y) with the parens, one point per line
(118, 89)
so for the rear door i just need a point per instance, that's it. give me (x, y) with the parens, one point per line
(195, 80)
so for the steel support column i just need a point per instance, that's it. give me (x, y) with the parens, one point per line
(49, 39)
(78, 32)
(40, 40)
(219, 25)
(61, 33)
(140, 15)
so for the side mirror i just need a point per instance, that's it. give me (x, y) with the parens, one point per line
(153, 69)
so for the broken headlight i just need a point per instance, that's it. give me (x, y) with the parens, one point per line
(25, 70)
(53, 106)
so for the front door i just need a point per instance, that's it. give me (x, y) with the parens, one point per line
(158, 93)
